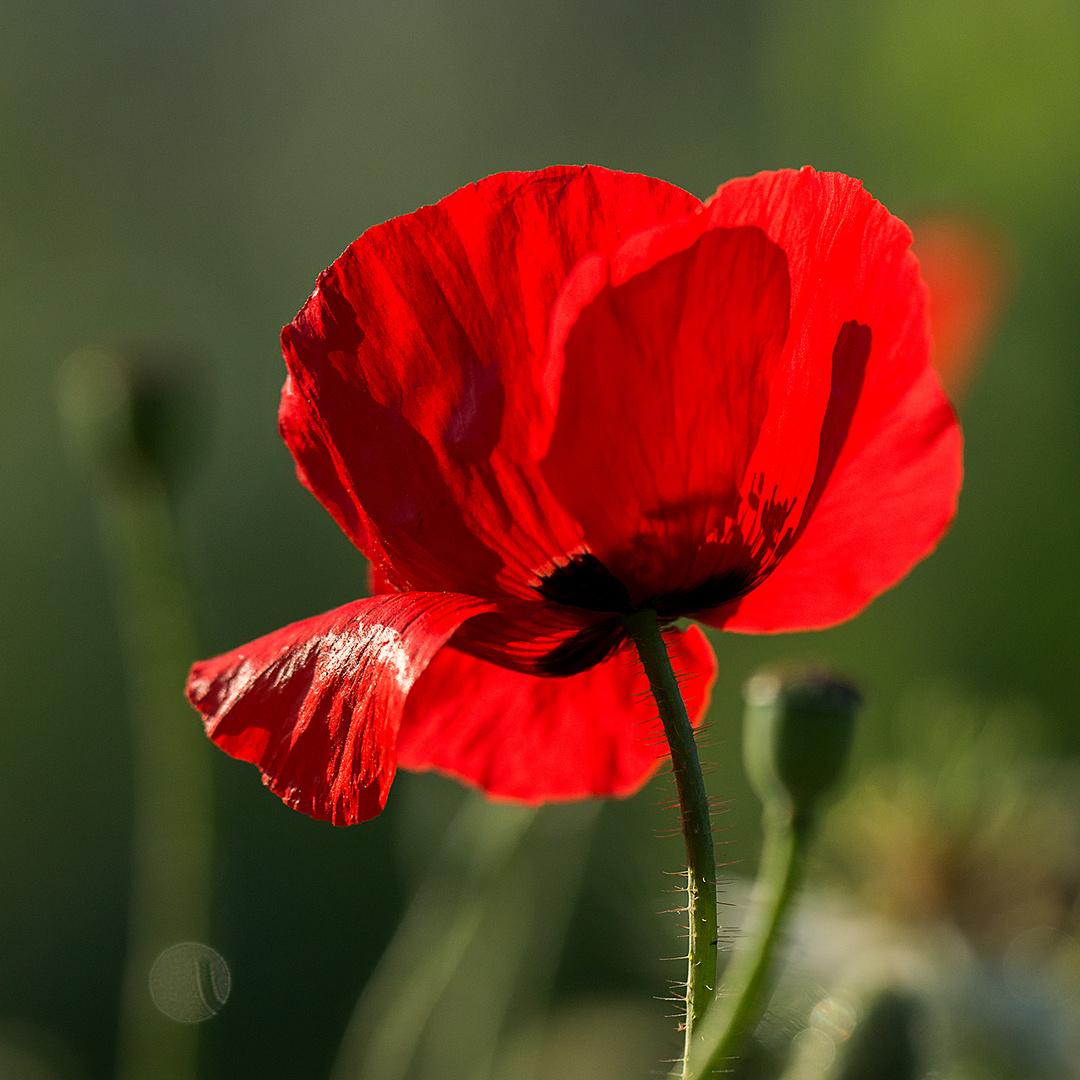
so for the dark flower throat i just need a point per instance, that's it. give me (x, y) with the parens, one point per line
(587, 584)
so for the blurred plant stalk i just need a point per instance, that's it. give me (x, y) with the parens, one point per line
(109, 406)
(484, 930)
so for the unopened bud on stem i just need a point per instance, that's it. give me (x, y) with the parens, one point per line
(133, 409)
(797, 734)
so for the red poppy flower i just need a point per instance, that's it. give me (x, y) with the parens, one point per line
(554, 398)
(966, 268)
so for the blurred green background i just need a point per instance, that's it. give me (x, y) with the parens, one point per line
(178, 173)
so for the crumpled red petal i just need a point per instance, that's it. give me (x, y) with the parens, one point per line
(317, 705)
(413, 406)
(533, 739)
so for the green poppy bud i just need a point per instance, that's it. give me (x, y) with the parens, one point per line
(134, 409)
(796, 737)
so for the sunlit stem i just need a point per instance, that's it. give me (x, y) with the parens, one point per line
(745, 991)
(696, 819)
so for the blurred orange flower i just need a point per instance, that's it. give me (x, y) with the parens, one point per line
(964, 266)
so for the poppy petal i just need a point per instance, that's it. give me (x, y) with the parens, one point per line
(849, 260)
(889, 464)
(667, 351)
(317, 705)
(535, 739)
(883, 510)
(412, 404)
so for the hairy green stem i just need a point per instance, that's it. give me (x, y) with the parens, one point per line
(696, 818)
(744, 995)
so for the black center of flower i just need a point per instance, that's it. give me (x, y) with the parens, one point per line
(587, 584)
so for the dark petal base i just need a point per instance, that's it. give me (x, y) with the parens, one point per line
(714, 592)
(587, 584)
(584, 650)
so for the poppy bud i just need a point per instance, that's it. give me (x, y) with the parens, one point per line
(797, 733)
(132, 409)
